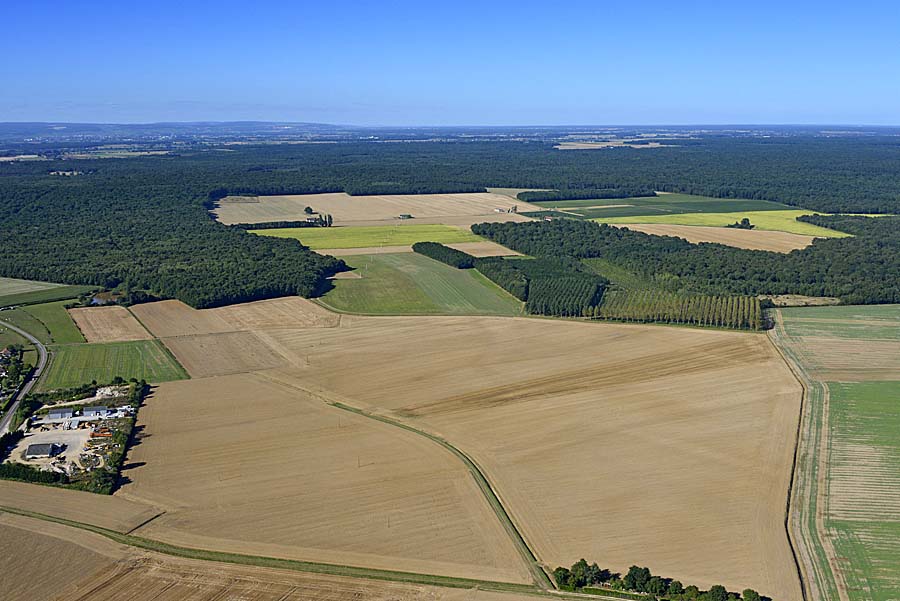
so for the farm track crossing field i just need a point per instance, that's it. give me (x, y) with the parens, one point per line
(754, 239)
(780, 221)
(323, 238)
(278, 473)
(851, 353)
(97, 569)
(351, 210)
(410, 283)
(531, 395)
(76, 364)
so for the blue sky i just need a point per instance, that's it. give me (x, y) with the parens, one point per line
(452, 63)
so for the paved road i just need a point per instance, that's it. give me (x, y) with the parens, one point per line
(26, 388)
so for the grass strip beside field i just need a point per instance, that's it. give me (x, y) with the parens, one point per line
(778, 221)
(323, 238)
(56, 321)
(76, 364)
(412, 284)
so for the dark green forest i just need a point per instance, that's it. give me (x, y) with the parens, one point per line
(862, 269)
(142, 223)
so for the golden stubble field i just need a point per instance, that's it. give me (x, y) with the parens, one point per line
(782, 242)
(665, 447)
(243, 464)
(108, 324)
(50, 561)
(452, 209)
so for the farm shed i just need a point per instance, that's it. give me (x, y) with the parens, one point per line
(37, 451)
(59, 414)
(94, 411)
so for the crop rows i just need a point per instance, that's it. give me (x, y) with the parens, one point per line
(738, 312)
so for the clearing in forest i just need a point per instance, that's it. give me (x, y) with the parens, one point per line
(352, 210)
(781, 221)
(323, 238)
(848, 479)
(412, 284)
(108, 324)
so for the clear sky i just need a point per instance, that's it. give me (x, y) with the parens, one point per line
(452, 62)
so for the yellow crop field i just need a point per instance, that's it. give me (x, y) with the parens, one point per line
(781, 221)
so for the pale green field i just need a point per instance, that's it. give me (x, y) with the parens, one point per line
(779, 221)
(323, 238)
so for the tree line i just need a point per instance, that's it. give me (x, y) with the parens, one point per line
(583, 577)
(584, 194)
(445, 254)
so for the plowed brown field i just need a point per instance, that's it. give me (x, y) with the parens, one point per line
(108, 324)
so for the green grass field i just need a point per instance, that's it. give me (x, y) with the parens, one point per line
(781, 221)
(862, 475)
(323, 238)
(23, 292)
(56, 321)
(865, 452)
(412, 284)
(25, 320)
(75, 364)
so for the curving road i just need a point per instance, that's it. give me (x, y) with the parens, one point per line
(27, 386)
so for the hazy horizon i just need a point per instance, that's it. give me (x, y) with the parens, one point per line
(406, 64)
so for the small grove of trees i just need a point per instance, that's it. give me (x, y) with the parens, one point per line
(582, 577)
(743, 224)
(654, 305)
(445, 254)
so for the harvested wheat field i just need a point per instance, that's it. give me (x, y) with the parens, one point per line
(349, 210)
(108, 324)
(98, 510)
(782, 242)
(667, 444)
(161, 578)
(206, 355)
(33, 549)
(90, 567)
(246, 465)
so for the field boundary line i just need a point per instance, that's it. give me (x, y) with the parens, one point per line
(304, 566)
(816, 539)
(541, 578)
